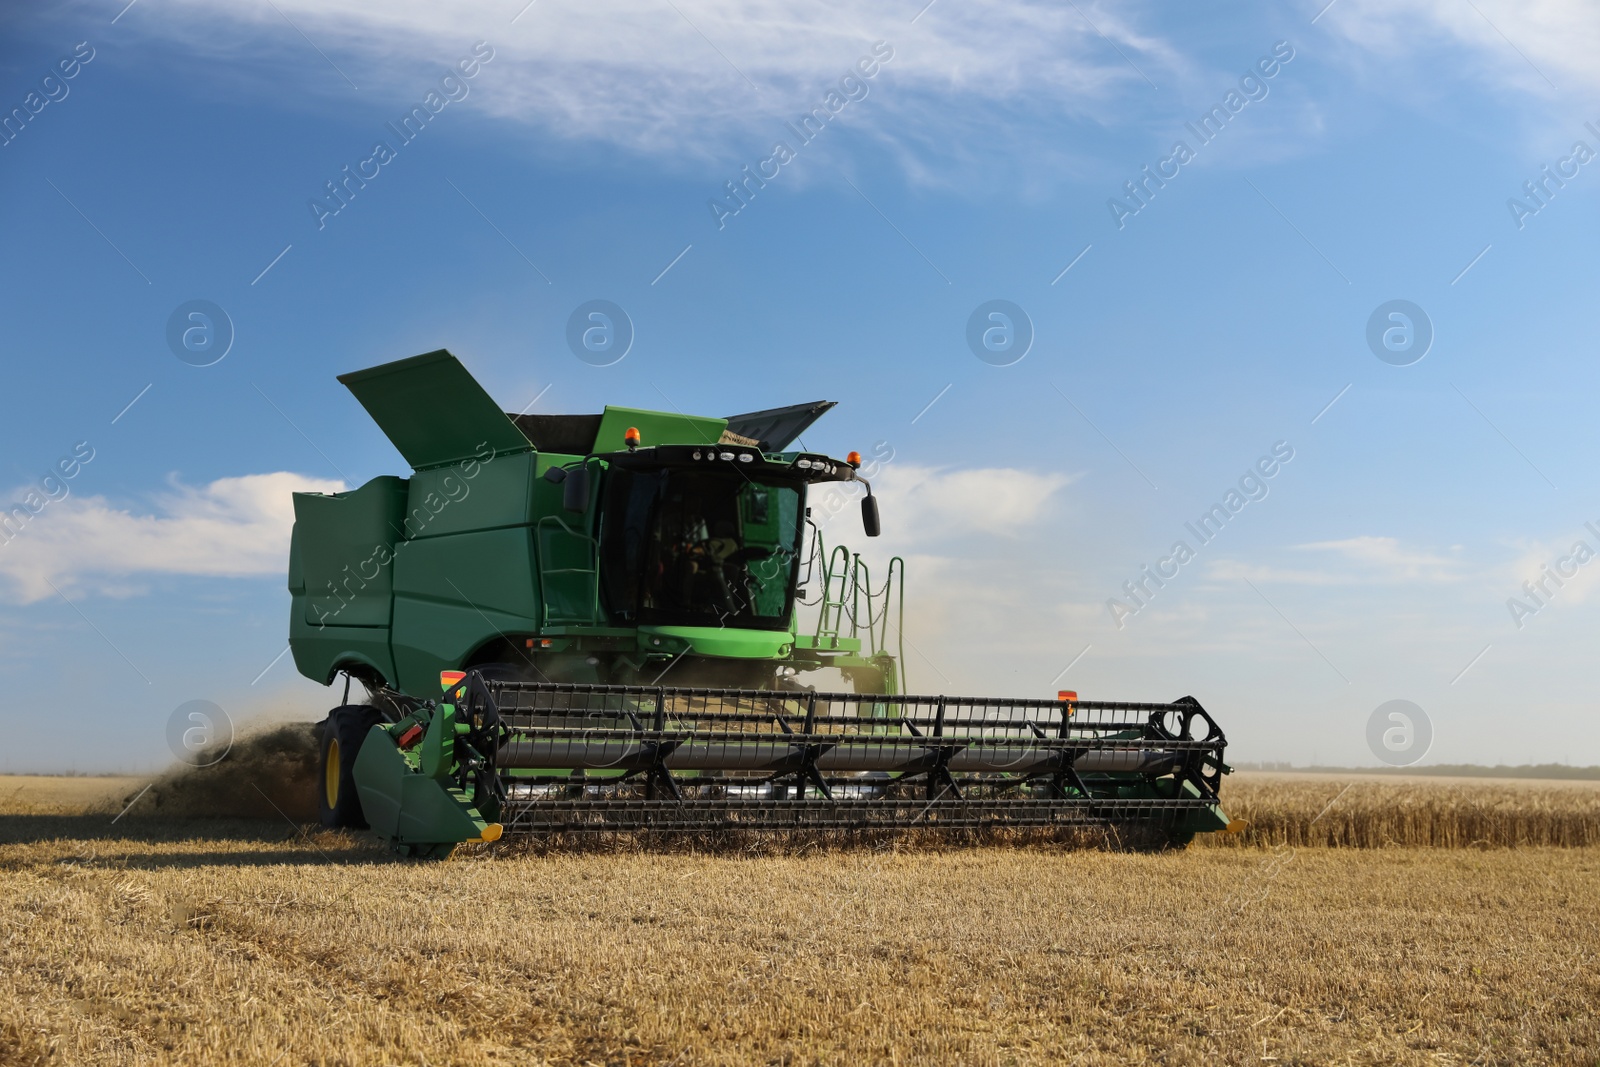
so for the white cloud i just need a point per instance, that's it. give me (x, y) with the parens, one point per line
(234, 527)
(979, 589)
(926, 505)
(1356, 560)
(1540, 558)
(718, 77)
(1516, 43)
(706, 85)
(1232, 570)
(1385, 556)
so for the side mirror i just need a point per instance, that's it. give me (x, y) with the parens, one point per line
(869, 515)
(555, 475)
(575, 490)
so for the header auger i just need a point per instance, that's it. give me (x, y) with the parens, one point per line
(514, 607)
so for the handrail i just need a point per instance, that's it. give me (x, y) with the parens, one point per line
(846, 582)
(829, 609)
(861, 579)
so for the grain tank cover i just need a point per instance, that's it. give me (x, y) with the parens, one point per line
(775, 428)
(433, 410)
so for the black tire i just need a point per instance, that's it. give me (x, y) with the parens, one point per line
(342, 734)
(506, 672)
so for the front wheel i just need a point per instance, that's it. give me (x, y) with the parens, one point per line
(342, 734)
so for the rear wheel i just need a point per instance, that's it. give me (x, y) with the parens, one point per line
(342, 734)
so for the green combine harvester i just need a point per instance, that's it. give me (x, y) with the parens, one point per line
(592, 623)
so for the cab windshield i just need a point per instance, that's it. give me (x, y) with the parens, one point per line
(699, 548)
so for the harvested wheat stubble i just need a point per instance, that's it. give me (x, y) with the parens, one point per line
(200, 953)
(204, 941)
(1373, 813)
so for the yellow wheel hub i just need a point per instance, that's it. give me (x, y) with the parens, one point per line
(330, 777)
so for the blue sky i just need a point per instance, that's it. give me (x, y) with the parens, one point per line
(977, 163)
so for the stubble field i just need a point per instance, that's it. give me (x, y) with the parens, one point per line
(1358, 921)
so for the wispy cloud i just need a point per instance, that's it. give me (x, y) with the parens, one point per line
(1386, 556)
(1537, 559)
(1538, 46)
(233, 527)
(1351, 561)
(924, 507)
(981, 576)
(701, 79)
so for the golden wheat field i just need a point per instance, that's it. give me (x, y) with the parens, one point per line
(1358, 921)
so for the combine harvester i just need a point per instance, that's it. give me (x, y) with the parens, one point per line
(515, 606)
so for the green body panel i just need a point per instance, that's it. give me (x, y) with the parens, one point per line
(322, 652)
(433, 410)
(341, 577)
(656, 428)
(829, 642)
(1208, 821)
(1204, 821)
(405, 805)
(472, 495)
(457, 592)
(340, 543)
(717, 641)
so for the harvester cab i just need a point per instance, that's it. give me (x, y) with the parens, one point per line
(593, 622)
